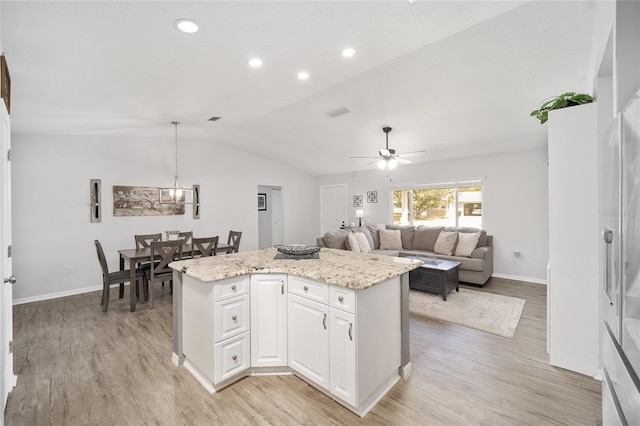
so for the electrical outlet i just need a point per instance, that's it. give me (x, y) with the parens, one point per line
(69, 269)
(517, 255)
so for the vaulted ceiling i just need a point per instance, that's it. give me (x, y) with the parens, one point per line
(453, 78)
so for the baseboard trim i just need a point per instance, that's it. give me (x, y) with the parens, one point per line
(60, 294)
(519, 278)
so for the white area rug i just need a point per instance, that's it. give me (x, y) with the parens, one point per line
(488, 312)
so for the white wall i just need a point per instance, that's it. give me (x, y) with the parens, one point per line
(515, 205)
(51, 221)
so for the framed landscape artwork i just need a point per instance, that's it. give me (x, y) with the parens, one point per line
(142, 201)
(262, 202)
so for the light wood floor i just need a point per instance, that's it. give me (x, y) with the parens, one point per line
(78, 366)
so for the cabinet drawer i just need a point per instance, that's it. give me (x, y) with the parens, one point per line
(341, 298)
(232, 357)
(230, 287)
(309, 289)
(231, 317)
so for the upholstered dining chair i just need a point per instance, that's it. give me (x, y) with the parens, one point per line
(233, 241)
(206, 246)
(162, 254)
(110, 278)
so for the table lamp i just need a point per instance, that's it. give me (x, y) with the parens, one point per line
(359, 215)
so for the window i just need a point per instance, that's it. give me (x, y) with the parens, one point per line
(451, 204)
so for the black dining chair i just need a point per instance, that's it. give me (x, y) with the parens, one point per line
(233, 241)
(117, 277)
(162, 254)
(203, 247)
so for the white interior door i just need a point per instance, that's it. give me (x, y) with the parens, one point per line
(333, 202)
(6, 309)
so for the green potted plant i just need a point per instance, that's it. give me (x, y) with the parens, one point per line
(561, 101)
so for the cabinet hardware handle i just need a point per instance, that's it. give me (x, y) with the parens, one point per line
(306, 288)
(340, 299)
(282, 289)
(234, 317)
(235, 357)
(324, 321)
(233, 287)
(350, 335)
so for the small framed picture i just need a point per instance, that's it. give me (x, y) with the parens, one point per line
(357, 201)
(262, 202)
(372, 196)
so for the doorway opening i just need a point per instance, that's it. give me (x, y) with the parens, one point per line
(270, 216)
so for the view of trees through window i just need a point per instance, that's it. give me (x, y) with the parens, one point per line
(454, 206)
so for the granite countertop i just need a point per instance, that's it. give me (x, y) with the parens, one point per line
(342, 268)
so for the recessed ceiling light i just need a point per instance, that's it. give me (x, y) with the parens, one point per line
(348, 52)
(186, 25)
(303, 75)
(255, 62)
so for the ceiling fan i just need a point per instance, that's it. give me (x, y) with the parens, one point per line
(387, 157)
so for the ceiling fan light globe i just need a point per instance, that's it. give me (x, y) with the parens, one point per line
(392, 164)
(382, 164)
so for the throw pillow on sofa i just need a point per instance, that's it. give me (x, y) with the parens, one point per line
(445, 243)
(467, 242)
(375, 236)
(336, 239)
(352, 243)
(390, 239)
(407, 232)
(363, 243)
(365, 231)
(466, 229)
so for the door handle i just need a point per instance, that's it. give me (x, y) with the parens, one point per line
(10, 280)
(282, 288)
(324, 321)
(350, 327)
(607, 236)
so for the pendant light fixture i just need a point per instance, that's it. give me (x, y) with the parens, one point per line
(176, 192)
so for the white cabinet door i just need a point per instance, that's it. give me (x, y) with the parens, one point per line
(309, 339)
(342, 362)
(268, 320)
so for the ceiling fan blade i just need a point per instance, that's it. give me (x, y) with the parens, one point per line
(404, 154)
(364, 157)
(403, 160)
(374, 161)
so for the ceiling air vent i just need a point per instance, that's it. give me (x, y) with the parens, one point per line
(337, 112)
(214, 118)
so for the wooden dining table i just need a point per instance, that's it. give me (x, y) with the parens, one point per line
(136, 256)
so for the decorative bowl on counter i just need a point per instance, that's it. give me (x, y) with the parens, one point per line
(297, 249)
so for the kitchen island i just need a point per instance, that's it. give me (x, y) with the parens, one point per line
(339, 322)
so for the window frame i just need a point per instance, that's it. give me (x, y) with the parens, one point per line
(466, 183)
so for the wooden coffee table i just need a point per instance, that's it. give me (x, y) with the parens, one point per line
(436, 276)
